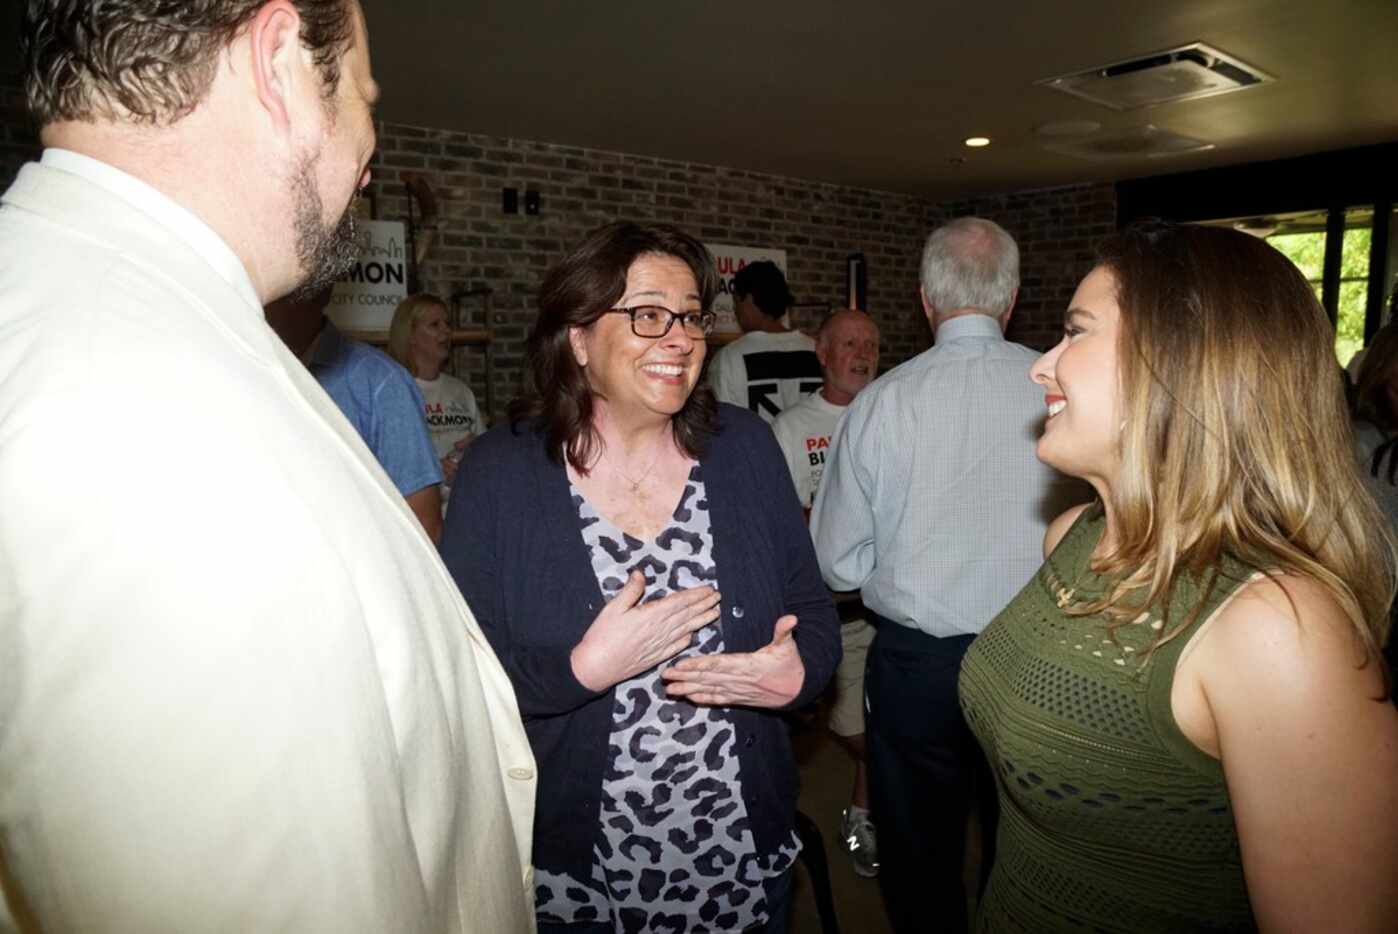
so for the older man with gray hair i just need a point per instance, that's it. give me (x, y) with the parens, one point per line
(934, 505)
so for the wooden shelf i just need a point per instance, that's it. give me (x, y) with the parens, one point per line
(478, 337)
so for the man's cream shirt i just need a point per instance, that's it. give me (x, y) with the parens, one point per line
(238, 689)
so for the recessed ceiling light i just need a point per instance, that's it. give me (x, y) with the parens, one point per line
(976, 142)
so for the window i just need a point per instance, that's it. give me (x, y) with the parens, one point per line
(1357, 307)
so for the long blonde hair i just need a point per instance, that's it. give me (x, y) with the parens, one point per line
(1235, 437)
(405, 317)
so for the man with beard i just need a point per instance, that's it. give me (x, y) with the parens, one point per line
(240, 692)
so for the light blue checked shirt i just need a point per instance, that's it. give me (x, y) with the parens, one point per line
(933, 503)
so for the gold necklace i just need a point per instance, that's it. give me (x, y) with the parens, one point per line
(634, 481)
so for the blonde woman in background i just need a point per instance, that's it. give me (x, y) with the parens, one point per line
(420, 339)
(1185, 708)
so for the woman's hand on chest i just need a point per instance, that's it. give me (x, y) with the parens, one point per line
(770, 677)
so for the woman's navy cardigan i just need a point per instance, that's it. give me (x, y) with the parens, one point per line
(513, 543)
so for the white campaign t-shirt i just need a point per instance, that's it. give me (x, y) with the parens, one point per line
(766, 371)
(451, 411)
(804, 431)
(450, 408)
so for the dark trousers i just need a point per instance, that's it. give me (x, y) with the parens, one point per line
(925, 770)
(777, 890)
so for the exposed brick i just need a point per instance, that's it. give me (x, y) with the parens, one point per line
(818, 224)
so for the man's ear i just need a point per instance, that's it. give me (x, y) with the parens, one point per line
(1004, 318)
(821, 351)
(926, 305)
(274, 43)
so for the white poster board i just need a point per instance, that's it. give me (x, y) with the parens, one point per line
(365, 297)
(729, 259)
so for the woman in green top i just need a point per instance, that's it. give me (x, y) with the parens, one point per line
(1185, 707)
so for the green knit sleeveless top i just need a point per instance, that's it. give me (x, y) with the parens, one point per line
(1110, 819)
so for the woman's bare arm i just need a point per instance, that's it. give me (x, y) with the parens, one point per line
(1310, 754)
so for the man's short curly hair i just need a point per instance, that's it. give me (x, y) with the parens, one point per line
(151, 62)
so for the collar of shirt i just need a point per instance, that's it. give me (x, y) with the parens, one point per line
(194, 232)
(977, 326)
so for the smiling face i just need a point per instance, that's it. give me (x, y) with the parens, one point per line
(638, 379)
(431, 338)
(1082, 383)
(848, 350)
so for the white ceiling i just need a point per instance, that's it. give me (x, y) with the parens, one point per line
(880, 93)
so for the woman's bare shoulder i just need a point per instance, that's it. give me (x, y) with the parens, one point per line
(1288, 633)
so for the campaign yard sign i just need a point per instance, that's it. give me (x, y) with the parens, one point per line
(365, 297)
(729, 259)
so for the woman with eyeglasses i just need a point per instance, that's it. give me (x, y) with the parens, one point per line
(636, 555)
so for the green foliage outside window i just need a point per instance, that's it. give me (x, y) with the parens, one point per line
(1307, 251)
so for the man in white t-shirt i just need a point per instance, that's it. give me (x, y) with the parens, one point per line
(847, 346)
(770, 367)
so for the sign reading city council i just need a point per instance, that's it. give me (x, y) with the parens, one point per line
(365, 297)
(729, 259)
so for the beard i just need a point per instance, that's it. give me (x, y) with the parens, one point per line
(324, 252)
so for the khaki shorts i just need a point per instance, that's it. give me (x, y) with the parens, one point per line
(847, 710)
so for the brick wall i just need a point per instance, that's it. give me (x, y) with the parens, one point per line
(818, 225)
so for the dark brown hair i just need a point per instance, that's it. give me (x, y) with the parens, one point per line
(1380, 361)
(588, 282)
(764, 283)
(151, 61)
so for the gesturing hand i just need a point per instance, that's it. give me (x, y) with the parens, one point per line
(770, 677)
(626, 638)
(449, 465)
(453, 459)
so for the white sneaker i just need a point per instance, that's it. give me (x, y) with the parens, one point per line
(858, 832)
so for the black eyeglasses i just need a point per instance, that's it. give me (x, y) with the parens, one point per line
(655, 321)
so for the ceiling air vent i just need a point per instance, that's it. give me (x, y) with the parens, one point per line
(1190, 71)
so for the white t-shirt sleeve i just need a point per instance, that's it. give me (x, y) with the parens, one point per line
(726, 378)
